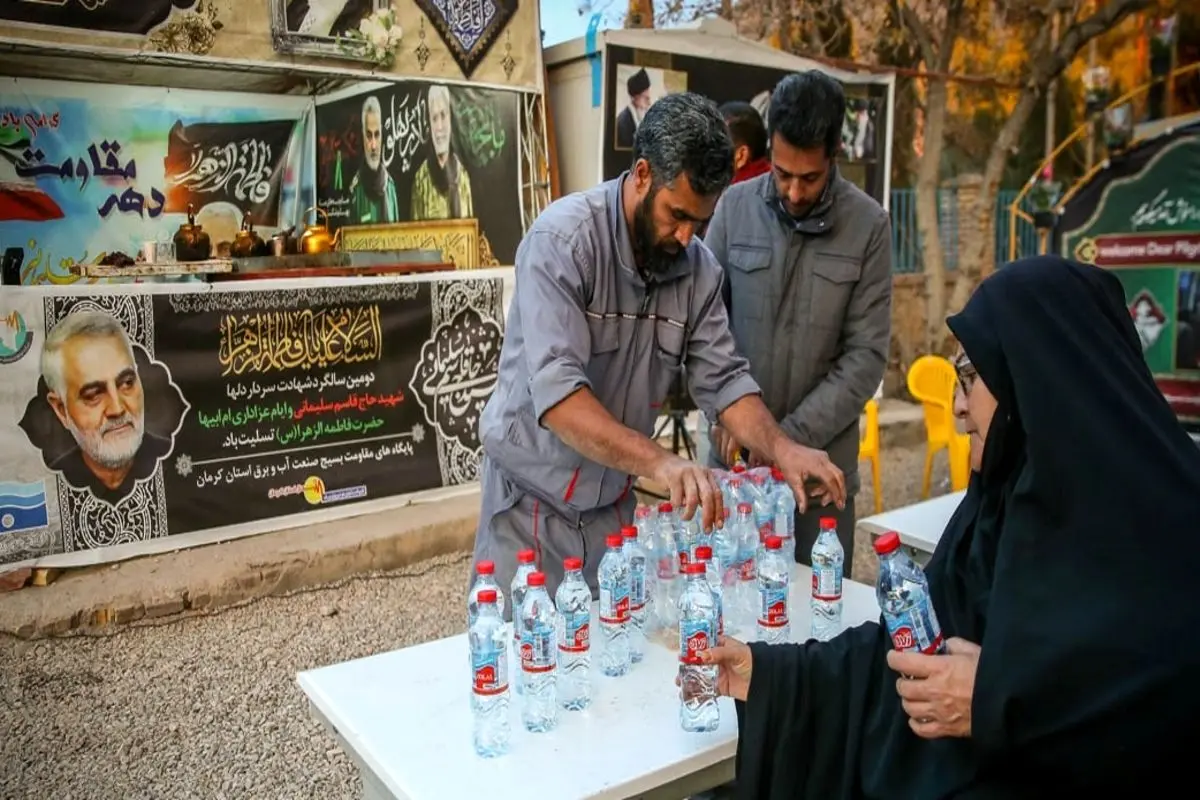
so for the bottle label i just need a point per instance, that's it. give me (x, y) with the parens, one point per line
(783, 523)
(489, 668)
(537, 649)
(773, 612)
(695, 636)
(666, 568)
(827, 583)
(576, 632)
(637, 585)
(915, 630)
(746, 570)
(683, 559)
(614, 604)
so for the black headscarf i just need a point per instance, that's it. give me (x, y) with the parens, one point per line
(1071, 561)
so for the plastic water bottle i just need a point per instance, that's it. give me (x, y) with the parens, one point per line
(667, 581)
(636, 558)
(698, 709)
(485, 578)
(725, 561)
(746, 593)
(762, 497)
(573, 601)
(828, 561)
(643, 520)
(613, 577)
(785, 514)
(526, 566)
(774, 626)
(713, 574)
(539, 657)
(488, 637)
(903, 594)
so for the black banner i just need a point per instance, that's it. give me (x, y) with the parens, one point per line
(241, 163)
(423, 151)
(117, 16)
(160, 414)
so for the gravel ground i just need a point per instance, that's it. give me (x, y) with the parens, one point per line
(208, 707)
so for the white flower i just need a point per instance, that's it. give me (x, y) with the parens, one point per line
(394, 34)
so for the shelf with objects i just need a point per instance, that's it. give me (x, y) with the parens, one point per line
(1135, 212)
(275, 250)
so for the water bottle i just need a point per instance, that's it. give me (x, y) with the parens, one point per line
(762, 497)
(516, 590)
(785, 515)
(635, 556)
(698, 709)
(903, 594)
(746, 593)
(643, 520)
(725, 560)
(613, 577)
(488, 638)
(666, 579)
(828, 560)
(539, 657)
(774, 624)
(485, 578)
(573, 601)
(714, 575)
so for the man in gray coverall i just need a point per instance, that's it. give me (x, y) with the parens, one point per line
(613, 299)
(808, 265)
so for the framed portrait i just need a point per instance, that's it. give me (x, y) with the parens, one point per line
(321, 27)
(638, 88)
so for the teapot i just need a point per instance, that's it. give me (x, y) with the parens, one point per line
(317, 238)
(247, 243)
(192, 243)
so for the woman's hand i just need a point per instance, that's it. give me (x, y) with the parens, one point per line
(734, 664)
(936, 694)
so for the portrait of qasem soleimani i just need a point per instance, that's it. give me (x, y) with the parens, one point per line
(330, 18)
(104, 413)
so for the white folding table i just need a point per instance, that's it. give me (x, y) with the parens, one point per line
(920, 525)
(404, 718)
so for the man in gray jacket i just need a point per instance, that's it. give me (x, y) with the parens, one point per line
(614, 298)
(807, 258)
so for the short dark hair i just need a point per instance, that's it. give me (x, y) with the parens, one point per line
(685, 133)
(746, 127)
(808, 110)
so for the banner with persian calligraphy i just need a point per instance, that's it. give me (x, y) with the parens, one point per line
(89, 170)
(130, 415)
(420, 151)
(138, 17)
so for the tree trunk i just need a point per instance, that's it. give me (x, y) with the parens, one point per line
(928, 182)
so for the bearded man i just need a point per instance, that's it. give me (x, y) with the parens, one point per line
(615, 298)
(373, 191)
(96, 393)
(441, 187)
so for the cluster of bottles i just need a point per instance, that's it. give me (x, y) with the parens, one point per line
(551, 639)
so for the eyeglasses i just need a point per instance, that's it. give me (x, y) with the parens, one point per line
(966, 372)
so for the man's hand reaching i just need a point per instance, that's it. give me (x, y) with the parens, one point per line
(691, 485)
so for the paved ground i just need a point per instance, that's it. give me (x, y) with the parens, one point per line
(208, 707)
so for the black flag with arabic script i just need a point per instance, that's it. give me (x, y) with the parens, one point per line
(232, 162)
(118, 16)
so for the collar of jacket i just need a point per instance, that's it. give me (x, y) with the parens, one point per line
(818, 221)
(752, 169)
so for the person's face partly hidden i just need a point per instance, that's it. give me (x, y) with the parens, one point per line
(372, 140)
(641, 101)
(800, 174)
(103, 402)
(974, 405)
(666, 219)
(439, 124)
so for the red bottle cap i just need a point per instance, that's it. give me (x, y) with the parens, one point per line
(665, 508)
(774, 543)
(828, 523)
(777, 474)
(704, 553)
(526, 557)
(629, 532)
(613, 540)
(642, 512)
(485, 568)
(572, 563)
(887, 543)
(695, 568)
(487, 595)
(745, 508)
(537, 579)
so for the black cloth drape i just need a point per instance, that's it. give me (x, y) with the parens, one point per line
(1071, 561)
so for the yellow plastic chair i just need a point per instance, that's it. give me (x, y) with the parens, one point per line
(931, 380)
(960, 461)
(868, 449)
